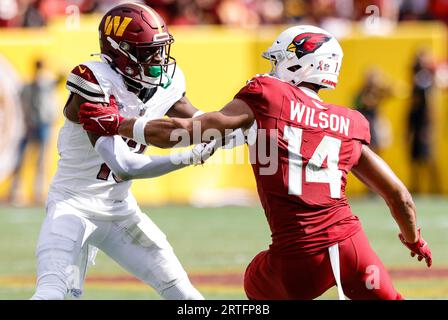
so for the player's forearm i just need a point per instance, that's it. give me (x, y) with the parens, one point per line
(126, 128)
(401, 206)
(226, 130)
(128, 165)
(157, 132)
(379, 177)
(143, 167)
(399, 201)
(167, 133)
(403, 210)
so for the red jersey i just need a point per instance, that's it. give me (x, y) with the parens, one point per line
(318, 143)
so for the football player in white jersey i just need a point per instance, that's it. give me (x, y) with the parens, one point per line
(89, 204)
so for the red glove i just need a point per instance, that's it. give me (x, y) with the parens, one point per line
(100, 118)
(420, 248)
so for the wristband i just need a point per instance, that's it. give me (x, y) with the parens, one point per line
(198, 113)
(139, 130)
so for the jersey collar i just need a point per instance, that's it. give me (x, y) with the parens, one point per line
(310, 93)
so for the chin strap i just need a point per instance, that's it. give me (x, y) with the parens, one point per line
(132, 83)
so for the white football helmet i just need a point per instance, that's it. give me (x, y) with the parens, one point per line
(306, 54)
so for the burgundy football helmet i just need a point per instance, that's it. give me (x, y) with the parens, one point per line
(135, 41)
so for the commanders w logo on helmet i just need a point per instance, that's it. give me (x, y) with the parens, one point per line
(307, 43)
(118, 26)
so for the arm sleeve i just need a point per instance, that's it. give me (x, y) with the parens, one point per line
(128, 165)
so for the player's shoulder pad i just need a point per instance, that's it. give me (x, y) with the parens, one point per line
(82, 81)
(255, 85)
(268, 79)
(179, 82)
(264, 83)
(361, 129)
(251, 89)
(253, 92)
(262, 79)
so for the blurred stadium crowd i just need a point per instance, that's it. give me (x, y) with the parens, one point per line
(426, 73)
(241, 13)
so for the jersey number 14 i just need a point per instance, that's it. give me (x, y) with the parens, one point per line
(328, 149)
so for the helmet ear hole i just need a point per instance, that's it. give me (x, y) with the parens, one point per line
(125, 46)
(294, 68)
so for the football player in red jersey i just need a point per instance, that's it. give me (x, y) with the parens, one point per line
(317, 242)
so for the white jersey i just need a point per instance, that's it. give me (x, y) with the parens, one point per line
(83, 179)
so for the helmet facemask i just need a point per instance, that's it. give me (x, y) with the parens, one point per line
(135, 41)
(140, 66)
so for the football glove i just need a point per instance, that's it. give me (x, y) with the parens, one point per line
(419, 249)
(100, 118)
(201, 152)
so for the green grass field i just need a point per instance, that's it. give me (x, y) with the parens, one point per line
(215, 245)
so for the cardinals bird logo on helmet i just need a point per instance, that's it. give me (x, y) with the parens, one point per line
(306, 54)
(307, 43)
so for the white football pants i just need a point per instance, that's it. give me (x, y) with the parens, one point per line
(68, 241)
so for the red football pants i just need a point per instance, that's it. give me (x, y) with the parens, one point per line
(363, 276)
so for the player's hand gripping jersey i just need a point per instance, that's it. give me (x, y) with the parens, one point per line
(318, 144)
(82, 178)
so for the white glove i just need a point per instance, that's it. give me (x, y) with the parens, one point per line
(201, 152)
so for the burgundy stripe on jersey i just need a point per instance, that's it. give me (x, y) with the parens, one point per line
(83, 82)
(86, 92)
(92, 96)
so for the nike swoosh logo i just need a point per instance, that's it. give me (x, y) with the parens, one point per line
(108, 118)
(81, 69)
